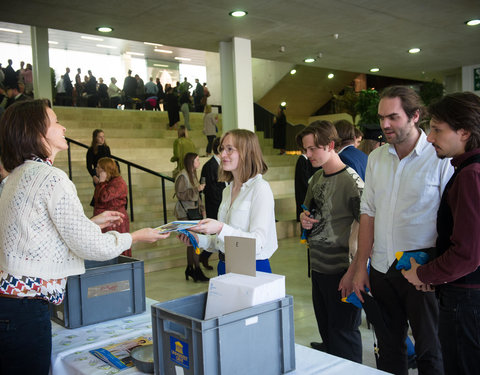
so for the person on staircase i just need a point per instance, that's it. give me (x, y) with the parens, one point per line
(187, 191)
(97, 150)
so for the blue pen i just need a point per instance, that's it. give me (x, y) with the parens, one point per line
(303, 238)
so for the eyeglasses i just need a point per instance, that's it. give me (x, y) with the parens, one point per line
(228, 149)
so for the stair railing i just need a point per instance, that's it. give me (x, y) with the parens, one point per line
(130, 165)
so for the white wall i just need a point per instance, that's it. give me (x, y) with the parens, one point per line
(266, 74)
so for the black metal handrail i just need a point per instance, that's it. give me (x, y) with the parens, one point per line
(129, 166)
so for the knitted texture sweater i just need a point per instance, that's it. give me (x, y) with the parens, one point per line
(43, 229)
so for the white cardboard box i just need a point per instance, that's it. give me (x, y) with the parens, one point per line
(232, 292)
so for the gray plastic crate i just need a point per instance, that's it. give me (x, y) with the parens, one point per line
(107, 290)
(256, 340)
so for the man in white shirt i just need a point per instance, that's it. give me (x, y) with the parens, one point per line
(404, 182)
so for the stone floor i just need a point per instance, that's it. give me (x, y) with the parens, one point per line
(289, 260)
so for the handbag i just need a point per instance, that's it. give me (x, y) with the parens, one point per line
(192, 213)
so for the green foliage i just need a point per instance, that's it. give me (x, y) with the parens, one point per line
(347, 103)
(367, 107)
(429, 91)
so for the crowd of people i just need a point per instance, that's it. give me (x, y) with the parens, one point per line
(15, 85)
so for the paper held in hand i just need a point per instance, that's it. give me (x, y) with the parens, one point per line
(176, 226)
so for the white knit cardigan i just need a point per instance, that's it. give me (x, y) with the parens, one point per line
(43, 229)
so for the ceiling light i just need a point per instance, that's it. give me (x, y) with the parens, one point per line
(473, 22)
(293, 71)
(283, 104)
(52, 42)
(135, 53)
(105, 46)
(105, 29)
(92, 38)
(414, 50)
(183, 58)
(330, 76)
(374, 70)
(162, 50)
(153, 44)
(309, 60)
(161, 65)
(11, 30)
(238, 13)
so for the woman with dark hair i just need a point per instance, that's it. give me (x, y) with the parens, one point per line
(187, 190)
(247, 208)
(279, 130)
(44, 233)
(111, 195)
(97, 150)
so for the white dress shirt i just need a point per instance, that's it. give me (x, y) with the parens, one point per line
(252, 215)
(403, 196)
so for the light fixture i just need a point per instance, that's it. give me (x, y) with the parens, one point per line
(153, 44)
(238, 13)
(11, 30)
(309, 60)
(162, 50)
(92, 38)
(52, 42)
(374, 70)
(283, 104)
(105, 29)
(473, 22)
(161, 65)
(293, 71)
(182, 58)
(105, 46)
(414, 50)
(330, 76)
(135, 53)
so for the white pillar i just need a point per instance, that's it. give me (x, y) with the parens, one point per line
(42, 85)
(237, 90)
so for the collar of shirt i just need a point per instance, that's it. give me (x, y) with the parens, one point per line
(350, 145)
(217, 159)
(458, 160)
(419, 148)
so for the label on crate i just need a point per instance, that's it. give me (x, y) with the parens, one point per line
(110, 288)
(179, 352)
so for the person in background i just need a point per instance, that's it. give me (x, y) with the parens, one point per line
(45, 235)
(67, 84)
(160, 93)
(346, 149)
(97, 150)
(111, 195)
(358, 137)
(247, 208)
(114, 93)
(28, 78)
(279, 130)
(187, 190)
(102, 93)
(198, 96)
(170, 103)
(181, 147)
(206, 94)
(213, 192)
(184, 101)
(372, 139)
(210, 129)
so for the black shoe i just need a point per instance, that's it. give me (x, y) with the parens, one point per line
(189, 271)
(199, 276)
(320, 346)
(204, 260)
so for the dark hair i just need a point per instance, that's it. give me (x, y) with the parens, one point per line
(215, 144)
(182, 131)
(358, 132)
(23, 129)
(94, 145)
(460, 110)
(346, 132)
(188, 161)
(323, 133)
(411, 101)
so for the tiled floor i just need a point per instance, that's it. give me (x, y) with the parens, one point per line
(289, 260)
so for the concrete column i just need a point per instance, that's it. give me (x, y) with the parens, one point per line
(237, 91)
(42, 85)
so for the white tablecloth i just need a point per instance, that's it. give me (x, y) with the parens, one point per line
(70, 350)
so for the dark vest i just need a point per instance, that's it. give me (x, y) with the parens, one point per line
(445, 224)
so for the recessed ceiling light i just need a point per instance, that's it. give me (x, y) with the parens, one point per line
(330, 76)
(92, 38)
(414, 50)
(162, 50)
(374, 70)
(283, 104)
(105, 29)
(153, 44)
(238, 13)
(105, 46)
(161, 65)
(135, 53)
(473, 22)
(293, 71)
(309, 60)
(52, 42)
(11, 30)
(183, 58)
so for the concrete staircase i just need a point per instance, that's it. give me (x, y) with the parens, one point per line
(142, 137)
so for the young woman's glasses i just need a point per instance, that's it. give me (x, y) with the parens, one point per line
(228, 149)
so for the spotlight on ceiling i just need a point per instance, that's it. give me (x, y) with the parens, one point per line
(238, 13)
(309, 60)
(293, 71)
(473, 22)
(330, 76)
(414, 50)
(374, 70)
(105, 29)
